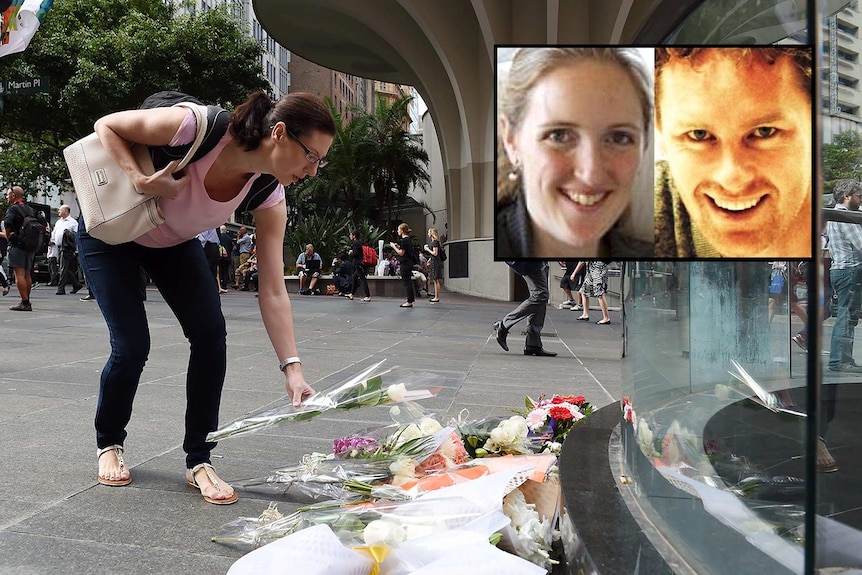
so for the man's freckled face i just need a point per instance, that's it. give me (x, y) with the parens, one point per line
(736, 134)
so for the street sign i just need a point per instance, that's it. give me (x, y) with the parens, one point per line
(25, 86)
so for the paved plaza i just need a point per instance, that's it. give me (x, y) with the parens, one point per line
(56, 519)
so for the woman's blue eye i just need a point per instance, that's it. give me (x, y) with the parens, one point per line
(560, 136)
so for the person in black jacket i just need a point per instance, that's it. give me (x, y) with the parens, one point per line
(359, 279)
(407, 258)
(343, 274)
(19, 259)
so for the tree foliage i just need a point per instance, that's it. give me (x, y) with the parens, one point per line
(107, 55)
(374, 164)
(397, 157)
(329, 232)
(843, 157)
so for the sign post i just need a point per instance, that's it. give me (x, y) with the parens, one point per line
(22, 87)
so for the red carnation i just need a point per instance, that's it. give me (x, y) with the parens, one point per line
(578, 400)
(560, 413)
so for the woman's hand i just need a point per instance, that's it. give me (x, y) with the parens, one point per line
(164, 183)
(297, 388)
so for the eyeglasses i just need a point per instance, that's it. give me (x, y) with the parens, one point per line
(309, 155)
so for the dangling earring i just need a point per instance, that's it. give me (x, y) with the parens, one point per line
(514, 175)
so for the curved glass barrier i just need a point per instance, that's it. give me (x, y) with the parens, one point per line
(715, 413)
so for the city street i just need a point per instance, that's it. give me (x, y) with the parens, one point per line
(56, 519)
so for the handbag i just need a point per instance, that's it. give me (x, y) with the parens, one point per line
(113, 210)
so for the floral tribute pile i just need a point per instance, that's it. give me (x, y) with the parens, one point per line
(418, 496)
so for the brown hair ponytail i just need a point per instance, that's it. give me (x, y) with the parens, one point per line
(301, 112)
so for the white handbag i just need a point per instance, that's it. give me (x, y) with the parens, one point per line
(113, 210)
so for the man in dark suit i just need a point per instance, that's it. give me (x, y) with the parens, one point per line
(535, 273)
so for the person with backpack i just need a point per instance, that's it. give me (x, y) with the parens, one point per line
(361, 260)
(65, 236)
(25, 230)
(407, 258)
(243, 164)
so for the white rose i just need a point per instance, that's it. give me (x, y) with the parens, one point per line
(408, 433)
(382, 532)
(403, 467)
(429, 426)
(502, 434)
(396, 392)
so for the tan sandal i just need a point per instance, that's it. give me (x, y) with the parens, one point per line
(210, 471)
(118, 450)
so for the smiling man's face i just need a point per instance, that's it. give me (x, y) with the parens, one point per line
(736, 134)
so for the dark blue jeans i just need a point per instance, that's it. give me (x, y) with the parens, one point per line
(182, 275)
(846, 285)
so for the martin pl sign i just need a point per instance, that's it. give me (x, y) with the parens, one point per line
(25, 86)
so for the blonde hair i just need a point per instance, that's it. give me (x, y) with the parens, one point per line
(530, 65)
(404, 228)
(433, 233)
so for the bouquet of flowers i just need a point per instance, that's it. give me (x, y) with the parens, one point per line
(496, 436)
(384, 523)
(552, 418)
(370, 457)
(394, 385)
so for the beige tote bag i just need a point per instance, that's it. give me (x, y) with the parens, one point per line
(113, 210)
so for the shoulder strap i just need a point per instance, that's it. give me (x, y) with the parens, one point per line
(260, 190)
(217, 120)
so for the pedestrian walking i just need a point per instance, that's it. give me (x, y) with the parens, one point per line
(360, 280)
(535, 273)
(595, 285)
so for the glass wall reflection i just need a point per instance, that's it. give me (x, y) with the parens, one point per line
(715, 437)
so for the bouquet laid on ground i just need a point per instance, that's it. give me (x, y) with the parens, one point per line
(409, 495)
(359, 464)
(398, 537)
(372, 386)
(551, 419)
(539, 428)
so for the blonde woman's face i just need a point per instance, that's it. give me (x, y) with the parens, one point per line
(579, 147)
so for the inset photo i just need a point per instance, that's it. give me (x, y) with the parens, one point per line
(733, 152)
(575, 154)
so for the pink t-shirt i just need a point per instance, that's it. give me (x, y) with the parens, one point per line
(194, 211)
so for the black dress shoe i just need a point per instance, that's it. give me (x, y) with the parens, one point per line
(540, 351)
(501, 333)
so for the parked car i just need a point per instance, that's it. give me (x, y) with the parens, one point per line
(41, 271)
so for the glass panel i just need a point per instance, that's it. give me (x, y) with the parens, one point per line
(839, 512)
(715, 445)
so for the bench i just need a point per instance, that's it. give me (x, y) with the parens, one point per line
(378, 286)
